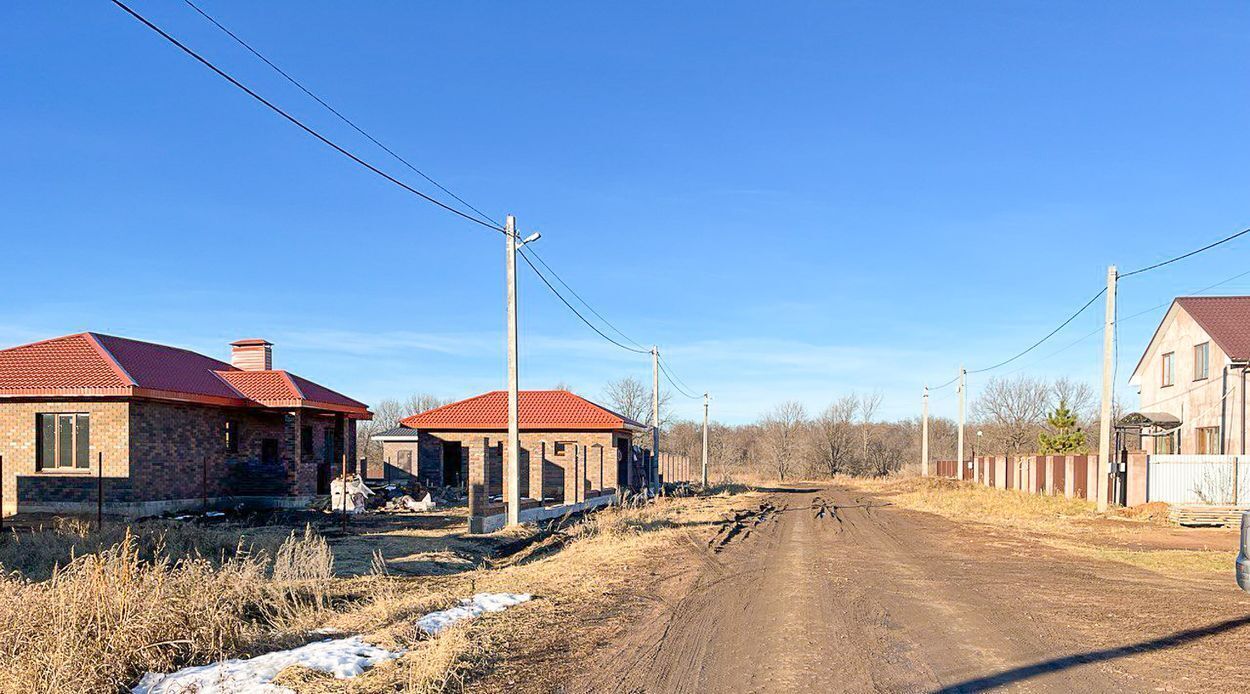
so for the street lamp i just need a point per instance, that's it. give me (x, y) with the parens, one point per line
(512, 466)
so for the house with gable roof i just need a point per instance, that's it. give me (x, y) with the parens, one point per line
(1192, 379)
(161, 428)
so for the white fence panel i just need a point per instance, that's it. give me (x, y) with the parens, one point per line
(1199, 479)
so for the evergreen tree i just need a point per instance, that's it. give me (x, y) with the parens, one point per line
(1064, 435)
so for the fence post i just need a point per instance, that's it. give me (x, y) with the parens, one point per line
(99, 492)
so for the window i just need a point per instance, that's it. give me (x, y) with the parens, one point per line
(562, 447)
(1166, 444)
(269, 451)
(327, 451)
(232, 437)
(305, 440)
(1207, 440)
(63, 441)
(1169, 374)
(1202, 360)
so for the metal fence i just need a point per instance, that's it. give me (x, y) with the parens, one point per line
(1210, 480)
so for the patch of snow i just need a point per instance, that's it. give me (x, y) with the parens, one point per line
(343, 658)
(469, 608)
(214, 514)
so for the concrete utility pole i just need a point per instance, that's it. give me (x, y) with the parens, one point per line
(512, 462)
(963, 387)
(1108, 391)
(924, 435)
(704, 439)
(655, 418)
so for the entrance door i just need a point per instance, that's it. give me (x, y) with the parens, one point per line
(451, 464)
(622, 465)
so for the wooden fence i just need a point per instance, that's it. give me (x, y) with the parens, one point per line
(1072, 476)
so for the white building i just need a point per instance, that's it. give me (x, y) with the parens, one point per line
(1192, 378)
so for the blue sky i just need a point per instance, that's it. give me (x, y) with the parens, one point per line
(794, 200)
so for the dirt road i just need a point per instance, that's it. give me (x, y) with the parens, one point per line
(824, 589)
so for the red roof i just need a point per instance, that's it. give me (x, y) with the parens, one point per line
(538, 410)
(1225, 318)
(91, 364)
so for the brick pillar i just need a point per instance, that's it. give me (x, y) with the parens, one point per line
(600, 488)
(478, 487)
(536, 472)
(1069, 476)
(570, 476)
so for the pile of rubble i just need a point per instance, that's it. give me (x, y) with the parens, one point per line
(409, 496)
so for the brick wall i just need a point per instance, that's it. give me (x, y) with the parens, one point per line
(160, 451)
(23, 484)
(537, 448)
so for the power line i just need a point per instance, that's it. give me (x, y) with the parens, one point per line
(1208, 247)
(606, 322)
(560, 296)
(488, 223)
(1049, 335)
(335, 111)
(224, 75)
(670, 377)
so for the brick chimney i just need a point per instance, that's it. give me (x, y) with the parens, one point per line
(252, 355)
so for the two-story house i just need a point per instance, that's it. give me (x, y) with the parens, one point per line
(1192, 378)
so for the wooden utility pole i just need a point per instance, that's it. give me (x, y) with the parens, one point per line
(963, 383)
(655, 418)
(924, 434)
(512, 459)
(705, 398)
(1108, 391)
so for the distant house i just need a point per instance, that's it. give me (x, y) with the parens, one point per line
(171, 428)
(564, 437)
(1192, 378)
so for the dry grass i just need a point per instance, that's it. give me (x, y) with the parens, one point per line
(78, 614)
(1122, 535)
(105, 618)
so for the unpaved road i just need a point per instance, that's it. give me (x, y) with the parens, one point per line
(828, 590)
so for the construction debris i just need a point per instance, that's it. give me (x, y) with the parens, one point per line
(352, 497)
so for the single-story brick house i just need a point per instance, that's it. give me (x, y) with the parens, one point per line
(170, 428)
(563, 437)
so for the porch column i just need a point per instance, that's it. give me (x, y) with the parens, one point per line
(570, 476)
(536, 472)
(478, 489)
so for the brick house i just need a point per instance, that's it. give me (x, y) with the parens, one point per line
(564, 438)
(1191, 379)
(170, 428)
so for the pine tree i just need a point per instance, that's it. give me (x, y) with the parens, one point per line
(1065, 436)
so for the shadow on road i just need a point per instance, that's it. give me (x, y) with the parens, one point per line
(788, 490)
(1028, 671)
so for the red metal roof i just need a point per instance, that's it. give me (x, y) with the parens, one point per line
(91, 364)
(538, 410)
(1225, 318)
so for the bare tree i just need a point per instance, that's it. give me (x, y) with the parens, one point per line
(386, 415)
(868, 406)
(632, 398)
(1078, 395)
(781, 431)
(420, 402)
(833, 435)
(563, 385)
(1013, 411)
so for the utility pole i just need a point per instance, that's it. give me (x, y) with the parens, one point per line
(924, 435)
(704, 440)
(512, 462)
(655, 418)
(963, 387)
(1108, 391)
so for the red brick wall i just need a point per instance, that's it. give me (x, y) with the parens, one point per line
(533, 452)
(158, 451)
(22, 483)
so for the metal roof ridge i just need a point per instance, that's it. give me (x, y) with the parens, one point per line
(109, 358)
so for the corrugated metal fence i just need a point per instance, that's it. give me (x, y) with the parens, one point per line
(1199, 479)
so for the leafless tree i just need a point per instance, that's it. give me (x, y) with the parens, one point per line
(833, 436)
(632, 398)
(868, 406)
(1012, 411)
(563, 385)
(1078, 395)
(420, 402)
(781, 430)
